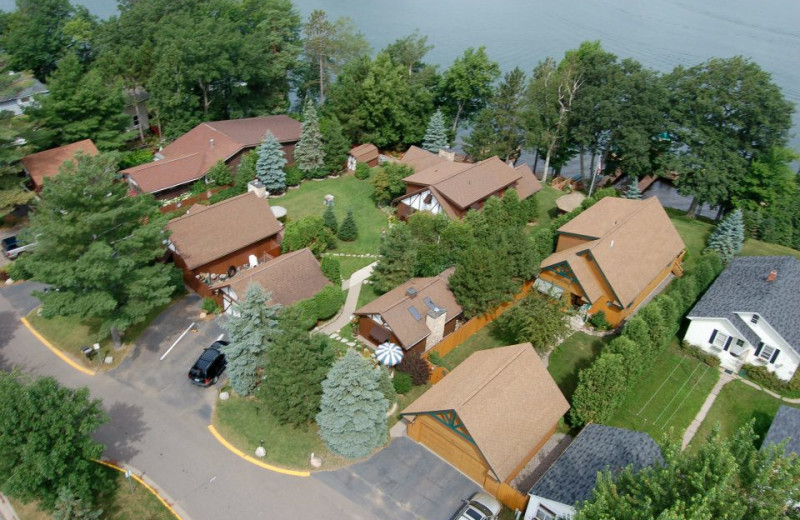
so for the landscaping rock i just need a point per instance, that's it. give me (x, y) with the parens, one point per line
(9, 281)
(203, 315)
(351, 343)
(108, 360)
(224, 396)
(315, 461)
(261, 452)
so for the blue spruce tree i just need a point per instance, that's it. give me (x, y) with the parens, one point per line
(728, 237)
(270, 163)
(435, 136)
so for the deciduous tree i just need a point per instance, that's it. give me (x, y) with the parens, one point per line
(352, 417)
(482, 280)
(308, 232)
(468, 84)
(537, 319)
(34, 35)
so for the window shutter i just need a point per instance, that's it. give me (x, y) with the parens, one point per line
(727, 343)
(775, 356)
(759, 347)
(713, 335)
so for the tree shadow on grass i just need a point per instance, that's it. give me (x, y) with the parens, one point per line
(761, 425)
(124, 430)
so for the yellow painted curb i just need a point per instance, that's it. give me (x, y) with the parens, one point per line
(145, 484)
(251, 460)
(56, 351)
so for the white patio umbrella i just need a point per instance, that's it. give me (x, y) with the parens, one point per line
(389, 354)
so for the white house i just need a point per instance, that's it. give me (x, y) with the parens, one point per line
(21, 93)
(573, 476)
(749, 315)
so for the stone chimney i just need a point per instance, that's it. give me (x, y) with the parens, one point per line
(435, 320)
(773, 275)
(258, 188)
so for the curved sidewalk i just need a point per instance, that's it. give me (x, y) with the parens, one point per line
(353, 288)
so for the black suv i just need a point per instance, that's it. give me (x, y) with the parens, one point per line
(209, 366)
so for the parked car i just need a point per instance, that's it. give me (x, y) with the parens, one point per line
(209, 366)
(482, 506)
(12, 248)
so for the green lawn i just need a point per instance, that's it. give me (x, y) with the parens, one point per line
(406, 399)
(668, 396)
(349, 193)
(759, 248)
(117, 504)
(735, 405)
(575, 353)
(366, 295)
(245, 421)
(546, 205)
(351, 264)
(481, 340)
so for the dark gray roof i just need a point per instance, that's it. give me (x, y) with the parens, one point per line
(785, 426)
(573, 476)
(25, 86)
(743, 287)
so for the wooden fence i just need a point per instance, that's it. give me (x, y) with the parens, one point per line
(510, 497)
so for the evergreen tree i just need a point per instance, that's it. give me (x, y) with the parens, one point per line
(386, 384)
(633, 191)
(728, 237)
(270, 163)
(482, 280)
(309, 154)
(335, 144)
(246, 171)
(329, 219)
(250, 333)
(71, 507)
(352, 417)
(396, 263)
(220, 174)
(297, 364)
(348, 232)
(436, 135)
(99, 247)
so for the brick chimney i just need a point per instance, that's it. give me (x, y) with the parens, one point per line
(772, 275)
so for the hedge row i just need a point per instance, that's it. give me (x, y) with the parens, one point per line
(324, 305)
(604, 386)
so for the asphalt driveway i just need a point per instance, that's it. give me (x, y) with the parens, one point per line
(404, 481)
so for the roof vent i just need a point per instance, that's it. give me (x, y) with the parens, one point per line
(612, 244)
(772, 275)
(211, 143)
(411, 292)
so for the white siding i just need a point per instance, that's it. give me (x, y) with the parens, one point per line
(700, 331)
(561, 510)
(417, 202)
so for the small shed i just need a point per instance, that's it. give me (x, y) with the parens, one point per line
(569, 202)
(490, 415)
(366, 153)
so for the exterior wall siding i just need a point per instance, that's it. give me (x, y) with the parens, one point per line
(561, 510)
(568, 241)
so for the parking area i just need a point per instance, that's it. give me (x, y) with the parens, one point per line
(404, 481)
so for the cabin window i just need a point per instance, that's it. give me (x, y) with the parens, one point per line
(544, 514)
(739, 342)
(754, 319)
(767, 352)
(719, 339)
(428, 198)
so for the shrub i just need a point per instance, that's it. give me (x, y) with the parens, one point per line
(220, 174)
(697, 353)
(134, 158)
(331, 269)
(601, 389)
(348, 230)
(308, 315)
(308, 232)
(211, 306)
(402, 383)
(537, 319)
(17, 269)
(294, 176)
(328, 301)
(362, 171)
(765, 378)
(415, 366)
(221, 195)
(386, 385)
(638, 331)
(435, 358)
(598, 321)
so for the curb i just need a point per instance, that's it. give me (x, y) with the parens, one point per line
(251, 460)
(150, 487)
(56, 351)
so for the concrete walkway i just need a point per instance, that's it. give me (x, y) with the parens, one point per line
(724, 379)
(6, 510)
(353, 288)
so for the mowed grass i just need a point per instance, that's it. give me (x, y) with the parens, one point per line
(350, 264)
(667, 397)
(404, 400)
(546, 209)
(570, 357)
(349, 193)
(481, 340)
(367, 294)
(118, 503)
(736, 405)
(246, 421)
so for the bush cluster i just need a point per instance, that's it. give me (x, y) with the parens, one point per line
(691, 350)
(415, 366)
(362, 171)
(331, 269)
(211, 306)
(603, 386)
(765, 378)
(322, 306)
(598, 321)
(402, 383)
(294, 175)
(308, 232)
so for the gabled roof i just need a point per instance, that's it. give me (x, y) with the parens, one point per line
(364, 152)
(420, 159)
(189, 157)
(47, 163)
(527, 184)
(207, 233)
(23, 86)
(290, 278)
(505, 398)
(630, 241)
(395, 307)
(596, 448)
(743, 287)
(785, 427)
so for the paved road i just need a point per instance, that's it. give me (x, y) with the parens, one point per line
(159, 425)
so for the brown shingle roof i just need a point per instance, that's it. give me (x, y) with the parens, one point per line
(505, 398)
(206, 233)
(634, 241)
(420, 159)
(189, 157)
(365, 152)
(47, 163)
(528, 184)
(290, 278)
(394, 307)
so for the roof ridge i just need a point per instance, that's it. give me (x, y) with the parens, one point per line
(497, 372)
(433, 280)
(211, 206)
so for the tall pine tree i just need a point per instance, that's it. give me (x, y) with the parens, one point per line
(309, 154)
(250, 333)
(270, 163)
(436, 135)
(396, 264)
(352, 417)
(728, 237)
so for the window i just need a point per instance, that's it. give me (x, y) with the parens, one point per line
(428, 198)
(754, 319)
(136, 121)
(544, 514)
(767, 352)
(739, 342)
(719, 340)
